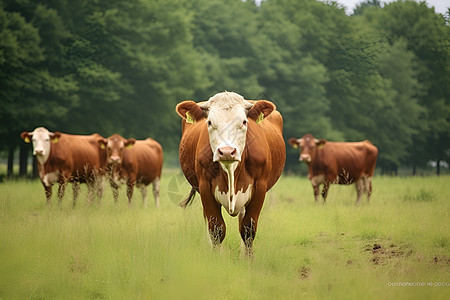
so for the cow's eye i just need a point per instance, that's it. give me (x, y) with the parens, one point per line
(209, 123)
(244, 122)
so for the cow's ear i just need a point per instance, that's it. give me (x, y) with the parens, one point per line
(26, 136)
(130, 142)
(260, 110)
(320, 143)
(190, 111)
(54, 137)
(294, 142)
(102, 143)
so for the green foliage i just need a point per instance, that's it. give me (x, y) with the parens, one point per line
(122, 66)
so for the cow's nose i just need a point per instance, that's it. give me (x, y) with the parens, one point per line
(305, 157)
(38, 152)
(115, 159)
(227, 153)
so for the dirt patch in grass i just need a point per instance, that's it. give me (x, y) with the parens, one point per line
(382, 254)
(441, 259)
(304, 272)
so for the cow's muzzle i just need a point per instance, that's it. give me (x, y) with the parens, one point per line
(227, 154)
(305, 158)
(38, 152)
(115, 160)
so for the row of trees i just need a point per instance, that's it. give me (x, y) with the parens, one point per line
(112, 66)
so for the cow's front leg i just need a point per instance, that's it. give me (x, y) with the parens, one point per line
(61, 191)
(91, 191)
(326, 186)
(359, 189)
(99, 185)
(213, 216)
(130, 189)
(316, 193)
(48, 194)
(216, 228)
(368, 187)
(76, 192)
(115, 190)
(249, 222)
(156, 184)
(143, 189)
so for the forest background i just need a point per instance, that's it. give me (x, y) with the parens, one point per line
(111, 66)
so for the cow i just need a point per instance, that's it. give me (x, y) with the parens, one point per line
(134, 162)
(231, 152)
(337, 162)
(67, 158)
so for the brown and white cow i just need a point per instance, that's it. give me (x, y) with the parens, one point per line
(67, 158)
(134, 162)
(338, 162)
(231, 152)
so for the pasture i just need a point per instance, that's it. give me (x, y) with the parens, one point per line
(396, 247)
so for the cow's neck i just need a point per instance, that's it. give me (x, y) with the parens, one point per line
(312, 165)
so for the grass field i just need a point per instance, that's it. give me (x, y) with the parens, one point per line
(396, 247)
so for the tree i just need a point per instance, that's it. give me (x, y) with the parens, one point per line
(30, 94)
(359, 9)
(229, 46)
(426, 34)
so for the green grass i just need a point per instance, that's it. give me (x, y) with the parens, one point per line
(302, 250)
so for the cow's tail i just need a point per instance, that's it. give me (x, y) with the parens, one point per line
(188, 200)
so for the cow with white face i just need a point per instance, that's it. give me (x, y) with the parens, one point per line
(67, 158)
(231, 152)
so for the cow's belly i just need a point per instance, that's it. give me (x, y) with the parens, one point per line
(241, 198)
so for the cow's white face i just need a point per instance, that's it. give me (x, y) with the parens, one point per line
(41, 139)
(227, 128)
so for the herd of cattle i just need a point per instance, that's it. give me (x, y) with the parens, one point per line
(231, 152)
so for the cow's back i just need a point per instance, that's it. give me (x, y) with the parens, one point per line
(346, 162)
(144, 159)
(77, 155)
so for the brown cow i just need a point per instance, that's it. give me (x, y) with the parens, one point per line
(134, 162)
(231, 152)
(67, 158)
(341, 163)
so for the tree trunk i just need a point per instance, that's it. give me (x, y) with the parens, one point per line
(438, 167)
(9, 171)
(35, 168)
(23, 160)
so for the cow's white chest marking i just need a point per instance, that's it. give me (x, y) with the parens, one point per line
(49, 178)
(316, 180)
(233, 201)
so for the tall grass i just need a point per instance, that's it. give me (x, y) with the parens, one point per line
(302, 250)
